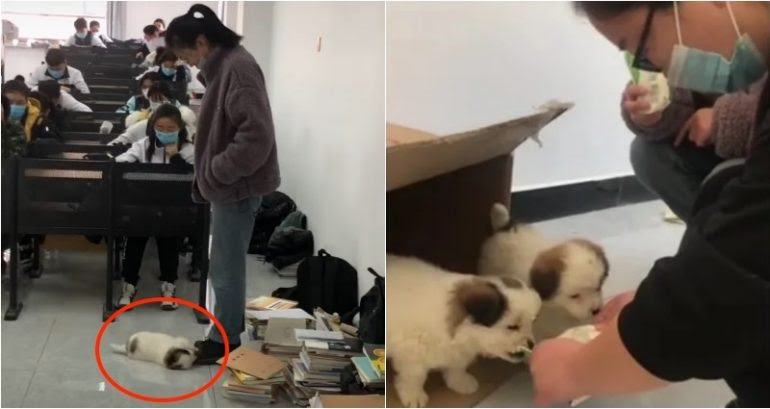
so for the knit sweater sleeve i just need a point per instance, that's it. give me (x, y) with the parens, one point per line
(734, 121)
(674, 116)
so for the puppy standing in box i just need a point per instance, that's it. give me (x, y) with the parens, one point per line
(440, 320)
(567, 275)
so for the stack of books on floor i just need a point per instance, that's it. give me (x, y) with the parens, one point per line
(371, 367)
(253, 376)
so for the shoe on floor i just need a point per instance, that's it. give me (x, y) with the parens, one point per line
(210, 351)
(168, 290)
(128, 294)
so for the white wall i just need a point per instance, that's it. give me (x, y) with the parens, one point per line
(22, 61)
(328, 109)
(456, 66)
(142, 13)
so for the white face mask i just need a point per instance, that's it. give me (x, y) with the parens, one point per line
(145, 91)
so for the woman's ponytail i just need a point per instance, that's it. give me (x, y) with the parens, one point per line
(199, 20)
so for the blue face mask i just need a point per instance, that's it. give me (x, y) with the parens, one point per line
(168, 71)
(709, 72)
(167, 138)
(17, 111)
(56, 74)
(81, 35)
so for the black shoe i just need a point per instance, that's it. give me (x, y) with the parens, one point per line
(210, 351)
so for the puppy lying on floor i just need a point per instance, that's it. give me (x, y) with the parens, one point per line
(440, 320)
(567, 274)
(166, 350)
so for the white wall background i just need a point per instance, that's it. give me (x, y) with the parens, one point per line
(455, 66)
(142, 13)
(328, 108)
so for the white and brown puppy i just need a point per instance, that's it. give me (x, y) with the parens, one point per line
(567, 274)
(162, 349)
(441, 320)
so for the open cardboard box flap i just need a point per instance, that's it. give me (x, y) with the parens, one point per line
(415, 155)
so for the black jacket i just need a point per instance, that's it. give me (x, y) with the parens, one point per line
(705, 312)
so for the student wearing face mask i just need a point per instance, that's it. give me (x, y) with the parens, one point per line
(713, 56)
(94, 27)
(152, 40)
(176, 75)
(56, 68)
(166, 142)
(83, 37)
(141, 101)
(24, 110)
(62, 100)
(136, 123)
(236, 158)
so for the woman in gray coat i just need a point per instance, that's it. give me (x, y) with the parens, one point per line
(236, 161)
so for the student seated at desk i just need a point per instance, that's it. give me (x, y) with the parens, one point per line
(94, 27)
(136, 122)
(152, 40)
(176, 75)
(24, 110)
(166, 142)
(141, 101)
(83, 37)
(62, 100)
(47, 129)
(56, 68)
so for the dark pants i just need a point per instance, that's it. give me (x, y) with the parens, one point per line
(168, 254)
(673, 173)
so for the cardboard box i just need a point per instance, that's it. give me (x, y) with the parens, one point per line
(440, 192)
(440, 189)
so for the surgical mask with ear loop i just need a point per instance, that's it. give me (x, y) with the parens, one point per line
(709, 72)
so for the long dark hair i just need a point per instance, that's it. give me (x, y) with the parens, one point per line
(185, 29)
(165, 111)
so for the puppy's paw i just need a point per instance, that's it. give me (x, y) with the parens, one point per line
(461, 382)
(414, 398)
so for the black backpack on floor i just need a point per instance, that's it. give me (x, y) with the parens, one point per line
(324, 281)
(371, 324)
(274, 208)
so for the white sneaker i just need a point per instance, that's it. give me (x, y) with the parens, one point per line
(168, 290)
(129, 292)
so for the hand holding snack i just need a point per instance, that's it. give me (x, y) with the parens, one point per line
(636, 103)
(171, 149)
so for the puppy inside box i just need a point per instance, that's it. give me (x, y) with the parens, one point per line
(440, 190)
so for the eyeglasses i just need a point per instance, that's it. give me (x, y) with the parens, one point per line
(640, 60)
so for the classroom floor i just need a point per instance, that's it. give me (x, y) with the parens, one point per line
(48, 353)
(633, 237)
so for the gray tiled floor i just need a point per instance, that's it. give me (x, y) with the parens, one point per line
(633, 237)
(48, 353)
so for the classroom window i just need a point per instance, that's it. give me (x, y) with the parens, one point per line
(52, 19)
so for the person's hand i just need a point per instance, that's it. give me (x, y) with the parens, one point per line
(635, 103)
(698, 129)
(550, 371)
(171, 150)
(613, 307)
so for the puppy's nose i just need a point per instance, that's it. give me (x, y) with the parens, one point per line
(595, 311)
(530, 343)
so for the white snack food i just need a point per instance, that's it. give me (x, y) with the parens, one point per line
(659, 95)
(582, 334)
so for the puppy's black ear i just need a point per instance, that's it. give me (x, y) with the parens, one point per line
(545, 273)
(133, 344)
(479, 299)
(171, 360)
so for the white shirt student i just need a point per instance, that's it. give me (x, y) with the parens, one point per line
(137, 131)
(94, 28)
(67, 75)
(84, 40)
